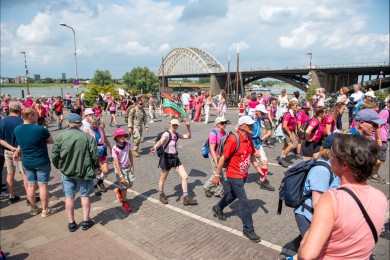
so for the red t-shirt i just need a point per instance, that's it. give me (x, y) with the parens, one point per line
(59, 106)
(328, 120)
(239, 162)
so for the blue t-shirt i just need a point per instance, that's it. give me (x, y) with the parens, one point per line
(318, 180)
(353, 131)
(256, 133)
(32, 140)
(7, 127)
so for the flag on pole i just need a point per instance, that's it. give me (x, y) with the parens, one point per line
(309, 53)
(170, 106)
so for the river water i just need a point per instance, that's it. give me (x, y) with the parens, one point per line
(39, 91)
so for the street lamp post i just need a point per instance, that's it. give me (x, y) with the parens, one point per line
(75, 56)
(25, 66)
(380, 80)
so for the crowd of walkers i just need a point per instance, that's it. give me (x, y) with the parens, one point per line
(350, 156)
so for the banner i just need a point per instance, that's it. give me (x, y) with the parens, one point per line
(121, 92)
(170, 106)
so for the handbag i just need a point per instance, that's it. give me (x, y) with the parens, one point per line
(365, 214)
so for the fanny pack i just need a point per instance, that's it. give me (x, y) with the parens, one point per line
(102, 149)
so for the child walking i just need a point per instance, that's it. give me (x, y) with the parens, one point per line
(124, 167)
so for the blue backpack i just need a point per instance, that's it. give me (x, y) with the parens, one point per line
(291, 188)
(206, 146)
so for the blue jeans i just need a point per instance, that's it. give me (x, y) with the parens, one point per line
(237, 191)
(40, 174)
(303, 224)
(69, 185)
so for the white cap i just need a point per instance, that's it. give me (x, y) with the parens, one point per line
(369, 94)
(261, 108)
(175, 122)
(88, 111)
(219, 119)
(247, 120)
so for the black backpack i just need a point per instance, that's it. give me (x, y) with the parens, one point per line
(302, 130)
(160, 150)
(291, 188)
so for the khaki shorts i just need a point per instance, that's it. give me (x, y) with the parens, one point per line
(12, 167)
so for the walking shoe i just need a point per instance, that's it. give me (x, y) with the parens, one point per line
(36, 211)
(136, 153)
(87, 224)
(97, 191)
(264, 185)
(218, 214)
(378, 179)
(102, 188)
(187, 200)
(126, 206)
(13, 200)
(72, 227)
(269, 145)
(37, 199)
(118, 194)
(298, 156)
(163, 198)
(251, 235)
(48, 212)
(4, 195)
(208, 193)
(283, 162)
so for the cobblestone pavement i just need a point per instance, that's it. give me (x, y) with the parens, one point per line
(173, 231)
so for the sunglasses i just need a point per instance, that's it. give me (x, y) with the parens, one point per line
(141, 104)
(222, 123)
(375, 125)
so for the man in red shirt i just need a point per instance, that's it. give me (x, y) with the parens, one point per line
(237, 172)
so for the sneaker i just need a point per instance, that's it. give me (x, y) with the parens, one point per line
(269, 145)
(251, 235)
(378, 179)
(48, 212)
(97, 191)
(264, 185)
(87, 224)
(163, 198)
(218, 214)
(4, 195)
(102, 188)
(126, 207)
(283, 162)
(151, 122)
(72, 227)
(13, 200)
(208, 193)
(37, 199)
(136, 153)
(36, 211)
(298, 156)
(118, 194)
(187, 200)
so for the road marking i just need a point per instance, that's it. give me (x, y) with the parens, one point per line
(206, 221)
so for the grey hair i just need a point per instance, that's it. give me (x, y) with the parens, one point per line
(91, 119)
(14, 107)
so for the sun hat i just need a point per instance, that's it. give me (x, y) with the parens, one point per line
(175, 122)
(88, 111)
(120, 132)
(328, 141)
(245, 120)
(369, 94)
(369, 115)
(261, 108)
(219, 120)
(74, 118)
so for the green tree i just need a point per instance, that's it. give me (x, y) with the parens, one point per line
(48, 80)
(141, 79)
(311, 91)
(94, 90)
(102, 77)
(204, 80)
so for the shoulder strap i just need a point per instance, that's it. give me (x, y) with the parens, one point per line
(237, 141)
(169, 140)
(365, 214)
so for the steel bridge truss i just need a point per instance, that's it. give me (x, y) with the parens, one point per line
(189, 61)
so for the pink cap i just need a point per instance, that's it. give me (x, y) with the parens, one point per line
(88, 111)
(118, 132)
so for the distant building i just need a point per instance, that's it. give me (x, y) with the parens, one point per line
(20, 79)
(37, 77)
(4, 80)
(63, 76)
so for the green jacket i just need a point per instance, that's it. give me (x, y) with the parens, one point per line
(74, 153)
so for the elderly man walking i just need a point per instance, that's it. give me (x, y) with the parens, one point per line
(74, 153)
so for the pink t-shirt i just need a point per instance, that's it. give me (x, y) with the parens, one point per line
(28, 102)
(253, 104)
(302, 116)
(328, 120)
(316, 135)
(291, 119)
(172, 146)
(122, 155)
(383, 132)
(215, 139)
(68, 97)
(351, 236)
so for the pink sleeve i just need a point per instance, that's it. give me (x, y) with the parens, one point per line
(212, 138)
(314, 123)
(329, 119)
(286, 117)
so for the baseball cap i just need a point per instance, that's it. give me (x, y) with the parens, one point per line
(272, 99)
(369, 115)
(328, 141)
(305, 104)
(261, 108)
(175, 122)
(74, 118)
(369, 94)
(245, 120)
(88, 111)
(119, 132)
(219, 119)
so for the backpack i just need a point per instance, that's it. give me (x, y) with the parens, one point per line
(206, 146)
(221, 146)
(302, 130)
(160, 150)
(291, 188)
(280, 119)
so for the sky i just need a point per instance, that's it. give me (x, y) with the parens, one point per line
(123, 34)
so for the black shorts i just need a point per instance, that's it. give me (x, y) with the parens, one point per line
(383, 151)
(58, 113)
(112, 112)
(310, 148)
(167, 163)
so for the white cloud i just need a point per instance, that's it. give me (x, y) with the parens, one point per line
(164, 47)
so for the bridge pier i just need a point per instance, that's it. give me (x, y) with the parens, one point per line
(331, 83)
(216, 84)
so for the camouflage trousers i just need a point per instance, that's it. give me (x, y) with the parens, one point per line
(137, 137)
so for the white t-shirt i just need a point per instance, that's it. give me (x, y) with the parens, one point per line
(185, 98)
(122, 155)
(85, 125)
(357, 96)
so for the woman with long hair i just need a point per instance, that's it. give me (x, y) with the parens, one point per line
(198, 107)
(222, 105)
(336, 124)
(343, 95)
(208, 102)
(112, 105)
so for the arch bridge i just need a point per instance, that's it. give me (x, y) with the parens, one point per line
(193, 63)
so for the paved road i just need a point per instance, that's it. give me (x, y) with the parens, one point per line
(166, 232)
